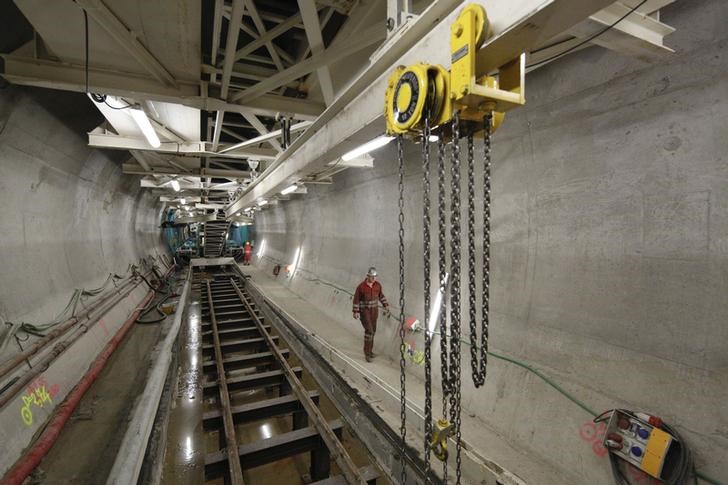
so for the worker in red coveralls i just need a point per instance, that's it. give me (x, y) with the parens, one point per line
(366, 301)
(247, 253)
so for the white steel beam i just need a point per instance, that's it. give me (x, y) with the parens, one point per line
(131, 168)
(371, 36)
(28, 71)
(216, 30)
(638, 35)
(233, 134)
(185, 185)
(316, 43)
(279, 29)
(271, 134)
(357, 114)
(258, 22)
(189, 148)
(260, 127)
(236, 18)
(217, 130)
(126, 39)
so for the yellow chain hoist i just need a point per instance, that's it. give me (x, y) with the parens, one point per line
(430, 91)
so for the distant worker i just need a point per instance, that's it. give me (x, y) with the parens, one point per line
(366, 299)
(247, 253)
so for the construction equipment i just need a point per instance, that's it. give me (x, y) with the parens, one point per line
(427, 103)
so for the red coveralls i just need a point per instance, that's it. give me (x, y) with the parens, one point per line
(247, 253)
(366, 299)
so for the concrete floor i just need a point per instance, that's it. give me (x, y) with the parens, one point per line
(87, 446)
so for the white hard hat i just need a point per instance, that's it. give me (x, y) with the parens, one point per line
(372, 271)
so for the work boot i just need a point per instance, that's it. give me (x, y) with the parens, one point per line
(368, 358)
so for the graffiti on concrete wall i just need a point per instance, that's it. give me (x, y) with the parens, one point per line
(37, 394)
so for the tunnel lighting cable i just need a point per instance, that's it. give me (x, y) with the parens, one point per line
(588, 39)
(316, 279)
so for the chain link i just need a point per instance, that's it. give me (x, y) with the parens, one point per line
(455, 292)
(402, 395)
(426, 264)
(479, 354)
(442, 269)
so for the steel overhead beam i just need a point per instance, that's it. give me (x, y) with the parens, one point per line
(356, 116)
(185, 186)
(127, 39)
(272, 134)
(258, 22)
(279, 29)
(232, 133)
(371, 36)
(188, 148)
(217, 130)
(43, 73)
(216, 30)
(260, 127)
(134, 169)
(310, 17)
(236, 18)
(638, 34)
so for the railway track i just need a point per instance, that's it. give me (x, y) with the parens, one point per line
(241, 354)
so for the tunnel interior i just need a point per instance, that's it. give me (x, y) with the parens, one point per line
(197, 311)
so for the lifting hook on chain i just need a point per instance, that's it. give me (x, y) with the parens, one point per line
(438, 442)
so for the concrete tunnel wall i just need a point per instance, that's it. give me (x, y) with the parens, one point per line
(609, 258)
(69, 217)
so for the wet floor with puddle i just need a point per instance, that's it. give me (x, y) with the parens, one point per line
(188, 443)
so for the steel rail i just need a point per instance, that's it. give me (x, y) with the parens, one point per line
(338, 452)
(236, 470)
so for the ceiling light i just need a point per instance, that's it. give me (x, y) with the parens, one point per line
(433, 138)
(182, 201)
(143, 122)
(262, 202)
(175, 185)
(290, 189)
(369, 146)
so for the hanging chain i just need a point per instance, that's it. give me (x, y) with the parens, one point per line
(479, 359)
(402, 398)
(442, 269)
(472, 305)
(455, 291)
(426, 264)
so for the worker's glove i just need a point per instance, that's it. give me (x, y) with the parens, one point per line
(387, 313)
(356, 316)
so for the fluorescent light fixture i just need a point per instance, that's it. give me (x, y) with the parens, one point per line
(433, 138)
(175, 185)
(369, 146)
(290, 189)
(146, 126)
(262, 248)
(182, 200)
(435, 310)
(262, 202)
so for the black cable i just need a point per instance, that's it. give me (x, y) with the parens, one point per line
(588, 39)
